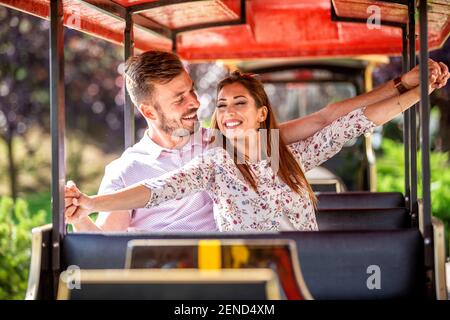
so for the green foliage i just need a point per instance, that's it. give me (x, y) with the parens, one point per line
(390, 177)
(16, 223)
(40, 201)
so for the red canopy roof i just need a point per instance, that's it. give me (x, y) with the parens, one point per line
(274, 28)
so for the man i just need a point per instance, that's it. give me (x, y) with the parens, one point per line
(164, 94)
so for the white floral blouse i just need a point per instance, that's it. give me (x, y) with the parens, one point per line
(237, 207)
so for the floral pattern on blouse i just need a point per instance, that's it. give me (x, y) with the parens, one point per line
(237, 207)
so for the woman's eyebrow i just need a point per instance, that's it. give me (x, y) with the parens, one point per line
(236, 97)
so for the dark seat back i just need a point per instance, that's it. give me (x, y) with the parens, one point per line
(335, 264)
(363, 219)
(353, 200)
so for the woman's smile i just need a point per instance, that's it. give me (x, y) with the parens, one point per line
(232, 123)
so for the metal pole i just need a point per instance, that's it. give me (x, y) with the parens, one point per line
(425, 121)
(406, 119)
(412, 116)
(174, 42)
(128, 114)
(57, 127)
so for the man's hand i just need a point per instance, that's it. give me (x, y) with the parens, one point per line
(77, 204)
(411, 79)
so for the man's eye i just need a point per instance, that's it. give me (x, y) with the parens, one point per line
(179, 100)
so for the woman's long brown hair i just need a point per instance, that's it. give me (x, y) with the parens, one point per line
(289, 170)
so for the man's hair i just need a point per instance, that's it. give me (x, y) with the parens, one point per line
(148, 68)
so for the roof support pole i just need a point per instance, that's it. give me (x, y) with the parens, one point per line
(57, 128)
(412, 117)
(425, 135)
(128, 112)
(406, 118)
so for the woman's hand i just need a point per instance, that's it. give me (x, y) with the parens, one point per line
(443, 77)
(77, 204)
(411, 79)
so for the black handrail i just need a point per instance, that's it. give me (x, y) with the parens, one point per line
(57, 127)
(412, 140)
(425, 136)
(128, 115)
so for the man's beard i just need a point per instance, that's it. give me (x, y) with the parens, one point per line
(172, 126)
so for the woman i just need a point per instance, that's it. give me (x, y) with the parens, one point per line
(256, 183)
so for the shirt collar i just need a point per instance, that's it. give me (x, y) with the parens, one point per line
(154, 150)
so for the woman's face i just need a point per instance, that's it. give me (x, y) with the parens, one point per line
(236, 112)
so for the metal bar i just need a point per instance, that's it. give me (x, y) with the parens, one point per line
(128, 115)
(57, 126)
(109, 8)
(174, 42)
(344, 70)
(242, 20)
(57, 123)
(138, 8)
(406, 119)
(425, 122)
(118, 12)
(150, 25)
(412, 118)
(317, 81)
(172, 34)
(210, 25)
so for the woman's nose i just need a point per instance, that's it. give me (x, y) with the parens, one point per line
(230, 110)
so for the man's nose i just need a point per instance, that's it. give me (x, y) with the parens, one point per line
(193, 102)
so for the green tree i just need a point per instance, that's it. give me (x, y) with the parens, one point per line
(16, 221)
(390, 177)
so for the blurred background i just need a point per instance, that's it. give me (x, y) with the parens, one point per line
(94, 128)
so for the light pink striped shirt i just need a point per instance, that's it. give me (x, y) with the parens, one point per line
(146, 160)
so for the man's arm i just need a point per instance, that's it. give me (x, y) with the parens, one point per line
(300, 129)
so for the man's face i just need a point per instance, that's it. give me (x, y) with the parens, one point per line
(176, 105)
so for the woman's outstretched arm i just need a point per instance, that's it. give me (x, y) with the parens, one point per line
(384, 111)
(327, 142)
(196, 175)
(299, 129)
(79, 205)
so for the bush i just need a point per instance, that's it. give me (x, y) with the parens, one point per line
(390, 177)
(16, 223)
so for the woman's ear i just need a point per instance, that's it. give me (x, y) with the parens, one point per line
(262, 114)
(147, 111)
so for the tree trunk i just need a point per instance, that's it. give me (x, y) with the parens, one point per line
(12, 168)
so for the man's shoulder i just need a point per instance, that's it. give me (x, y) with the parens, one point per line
(131, 157)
